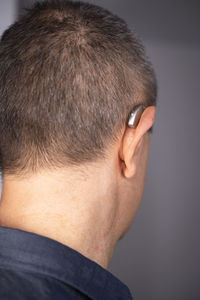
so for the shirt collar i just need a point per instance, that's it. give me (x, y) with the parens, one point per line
(38, 253)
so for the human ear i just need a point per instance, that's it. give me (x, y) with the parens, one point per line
(132, 140)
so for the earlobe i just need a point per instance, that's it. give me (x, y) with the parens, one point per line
(130, 171)
(128, 148)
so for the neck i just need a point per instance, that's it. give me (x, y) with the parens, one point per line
(79, 214)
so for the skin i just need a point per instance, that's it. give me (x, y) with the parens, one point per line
(89, 210)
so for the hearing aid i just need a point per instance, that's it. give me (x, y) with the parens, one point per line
(135, 116)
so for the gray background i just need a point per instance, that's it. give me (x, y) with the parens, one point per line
(159, 258)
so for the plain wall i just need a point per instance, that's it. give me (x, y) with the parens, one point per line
(8, 13)
(159, 258)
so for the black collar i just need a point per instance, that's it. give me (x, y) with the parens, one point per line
(36, 253)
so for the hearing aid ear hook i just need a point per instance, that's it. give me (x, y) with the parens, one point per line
(135, 116)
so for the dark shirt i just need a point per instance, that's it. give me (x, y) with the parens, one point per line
(37, 267)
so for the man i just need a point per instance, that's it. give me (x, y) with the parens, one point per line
(73, 169)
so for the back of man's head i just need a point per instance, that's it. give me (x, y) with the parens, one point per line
(71, 72)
